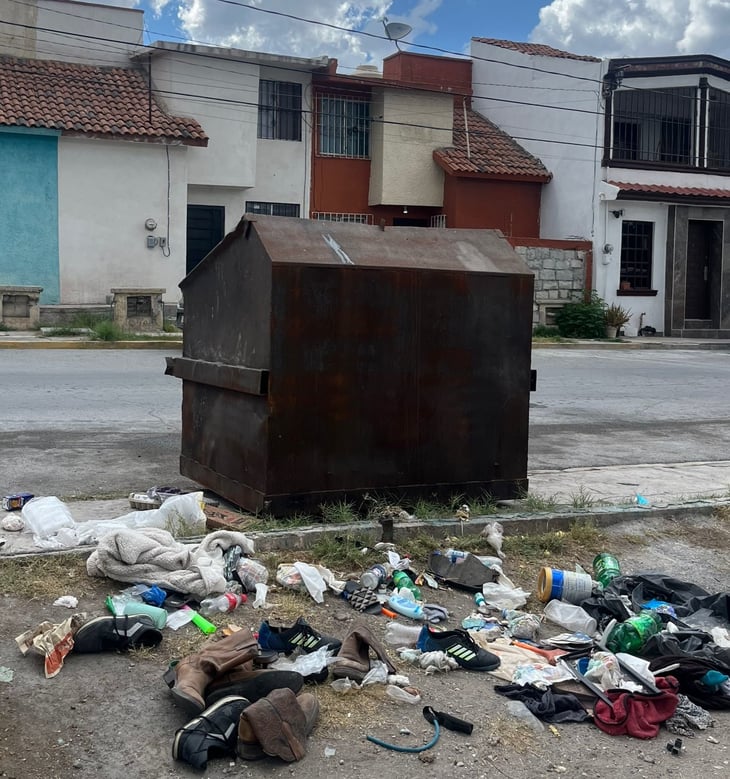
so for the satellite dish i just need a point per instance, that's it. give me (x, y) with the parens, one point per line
(395, 30)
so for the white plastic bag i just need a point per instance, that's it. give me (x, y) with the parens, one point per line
(502, 597)
(312, 580)
(408, 695)
(306, 664)
(44, 517)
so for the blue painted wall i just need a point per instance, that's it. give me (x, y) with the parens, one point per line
(29, 210)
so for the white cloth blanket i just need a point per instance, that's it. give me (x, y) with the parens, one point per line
(153, 556)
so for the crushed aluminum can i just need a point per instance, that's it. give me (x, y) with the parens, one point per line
(17, 501)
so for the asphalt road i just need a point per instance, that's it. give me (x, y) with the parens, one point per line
(86, 423)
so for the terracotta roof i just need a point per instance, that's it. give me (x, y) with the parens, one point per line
(537, 49)
(666, 189)
(492, 151)
(87, 100)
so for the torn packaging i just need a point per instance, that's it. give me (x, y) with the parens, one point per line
(51, 641)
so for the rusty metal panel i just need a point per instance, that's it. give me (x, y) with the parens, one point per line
(409, 375)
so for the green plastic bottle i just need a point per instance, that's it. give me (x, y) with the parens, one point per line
(403, 580)
(631, 636)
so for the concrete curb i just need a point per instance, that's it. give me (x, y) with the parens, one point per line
(174, 343)
(371, 533)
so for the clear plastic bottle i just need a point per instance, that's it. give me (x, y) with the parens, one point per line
(403, 581)
(220, 604)
(455, 555)
(376, 575)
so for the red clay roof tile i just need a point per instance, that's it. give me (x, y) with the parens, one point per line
(666, 189)
(490, 151)
(87, 99)
(537, 49)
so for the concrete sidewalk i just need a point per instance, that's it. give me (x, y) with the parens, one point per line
(555, 499)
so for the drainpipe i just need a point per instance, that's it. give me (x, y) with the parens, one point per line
(466, 128)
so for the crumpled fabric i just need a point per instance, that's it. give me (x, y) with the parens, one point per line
(545, 704)
(688, 717)
(153, 556)
(433, 662)
(52, 641)
(637, 714)
(434, 613)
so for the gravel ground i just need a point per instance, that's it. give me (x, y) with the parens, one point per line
(110, 715)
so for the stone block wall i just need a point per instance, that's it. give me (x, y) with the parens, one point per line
(561, 269)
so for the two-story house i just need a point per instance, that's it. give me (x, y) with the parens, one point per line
(638, 149)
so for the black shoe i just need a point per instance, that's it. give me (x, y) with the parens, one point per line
(215, 730)
(299, 636)
(459, 645)
(252, 685)
(107, 634)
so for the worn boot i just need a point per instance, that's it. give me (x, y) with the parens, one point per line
(189, 678)
(353, 659)
(278, 726)
(251, 684)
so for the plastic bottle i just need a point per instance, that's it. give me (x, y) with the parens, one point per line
(571, 617)
(631, 635)
(399, 634)
(220, 604)
(376, 575)
(605, 568)
(406, 607)
(403, 581)
(480, 600)
(250, 573)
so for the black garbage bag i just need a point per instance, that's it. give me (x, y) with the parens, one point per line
(469, 573)
(689, 674)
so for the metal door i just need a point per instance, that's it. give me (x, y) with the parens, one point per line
(704, 244)
(205, 230)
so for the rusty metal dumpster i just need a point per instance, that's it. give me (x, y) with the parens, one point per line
(322, 361)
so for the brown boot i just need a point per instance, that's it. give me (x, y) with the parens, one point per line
(277, 725)
(189, 677)
(353, 659)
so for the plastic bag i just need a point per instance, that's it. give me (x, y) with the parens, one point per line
(251, 572)
(44, 517)
(494, 533)
(312, 580)
(501, 597)
(306, 664)
(403, 695)
(259, 601)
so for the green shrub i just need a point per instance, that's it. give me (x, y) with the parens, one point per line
(582, 318)
(545, 331)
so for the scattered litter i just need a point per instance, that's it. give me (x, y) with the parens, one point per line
(518, 710)
(12, 524)
(6, 674)
(403, 694)
(259, 601)
(494, 533)
(69, 601)
(329, 752)
(499, 596)
(52, 641)
(16, 501)
(176, 619)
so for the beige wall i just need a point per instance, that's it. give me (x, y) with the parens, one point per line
(402, 168)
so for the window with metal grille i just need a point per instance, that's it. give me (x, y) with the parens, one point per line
(718, 130)
(272, 209)
(637, 245)
(655, 125)
(344, 126)
(280, 111)
(331, 216)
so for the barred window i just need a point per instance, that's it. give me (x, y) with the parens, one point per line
(272, 209)
(331, 216)
(637, 247)
(344, 126)
(280, 111)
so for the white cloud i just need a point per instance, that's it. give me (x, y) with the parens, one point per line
(247, 26)
(636, 28)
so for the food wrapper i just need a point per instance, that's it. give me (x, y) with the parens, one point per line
(51, 641)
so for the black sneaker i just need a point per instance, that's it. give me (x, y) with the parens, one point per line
(215, 730)
(299, 636)
(459, 645)
(107, 634)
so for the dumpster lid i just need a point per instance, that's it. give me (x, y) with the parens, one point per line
(289, 240)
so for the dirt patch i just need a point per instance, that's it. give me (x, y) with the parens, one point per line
(111, 715)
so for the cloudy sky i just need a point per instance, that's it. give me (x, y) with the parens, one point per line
(299, 27)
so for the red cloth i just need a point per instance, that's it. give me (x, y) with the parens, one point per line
(637, 714)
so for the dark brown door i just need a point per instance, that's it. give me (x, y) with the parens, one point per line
(704, 244)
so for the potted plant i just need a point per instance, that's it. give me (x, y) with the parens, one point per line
(616, 317)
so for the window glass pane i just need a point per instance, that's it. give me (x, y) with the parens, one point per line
(272, 209)
(637, 240)
(280, 111)
(344, 126)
